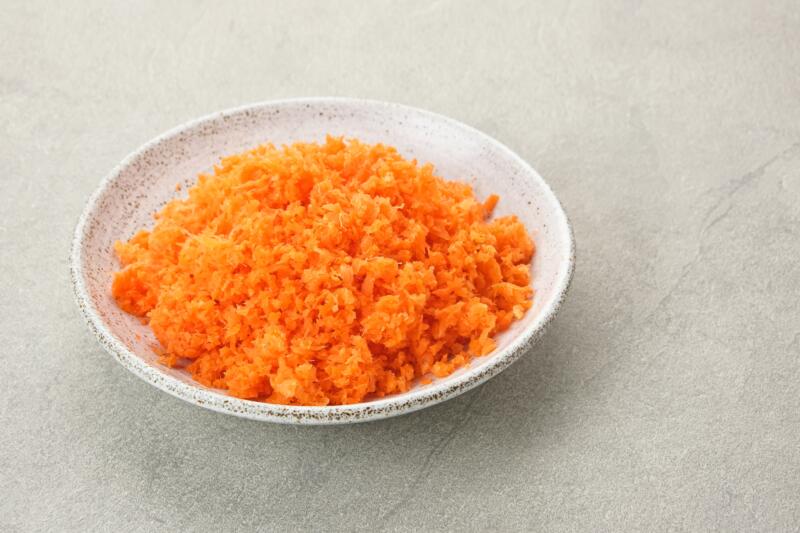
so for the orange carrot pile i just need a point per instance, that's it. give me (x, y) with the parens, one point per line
(321, 274)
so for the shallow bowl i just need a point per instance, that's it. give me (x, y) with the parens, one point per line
(145, 180)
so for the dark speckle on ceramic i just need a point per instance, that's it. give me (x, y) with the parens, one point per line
(146, 179)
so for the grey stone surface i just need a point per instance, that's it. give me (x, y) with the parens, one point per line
(665, 397)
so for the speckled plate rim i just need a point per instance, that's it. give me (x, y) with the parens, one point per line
(389, 406)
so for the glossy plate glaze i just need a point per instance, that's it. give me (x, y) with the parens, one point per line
(146, 179)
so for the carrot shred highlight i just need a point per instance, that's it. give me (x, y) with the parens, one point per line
(324, 274)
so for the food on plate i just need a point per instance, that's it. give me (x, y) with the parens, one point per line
(324, 274)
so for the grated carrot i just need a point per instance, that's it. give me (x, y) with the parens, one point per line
(322, 274)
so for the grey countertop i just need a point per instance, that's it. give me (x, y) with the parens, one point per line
(666, 396)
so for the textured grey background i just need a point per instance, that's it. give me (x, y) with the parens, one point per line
(666, 396)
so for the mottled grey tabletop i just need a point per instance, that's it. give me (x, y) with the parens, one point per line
(666, 396)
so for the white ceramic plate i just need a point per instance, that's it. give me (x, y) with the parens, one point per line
(146, 180)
